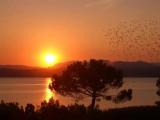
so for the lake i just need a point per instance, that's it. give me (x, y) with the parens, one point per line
(35, 90)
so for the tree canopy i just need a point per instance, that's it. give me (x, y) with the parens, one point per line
(158, 85)
(90, 78)
(158, 91)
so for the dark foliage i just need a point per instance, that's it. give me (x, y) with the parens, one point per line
(54, 111)
(11, 111)
(158, 85)
(158, 91)
(90, 78)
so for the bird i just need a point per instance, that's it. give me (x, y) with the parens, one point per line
(140, 39)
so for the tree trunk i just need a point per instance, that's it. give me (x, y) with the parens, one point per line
(93, 100)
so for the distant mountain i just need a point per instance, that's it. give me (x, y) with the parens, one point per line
(139, 68)
(62, 65)
(23, 71)
(20, 67)
(130, 69)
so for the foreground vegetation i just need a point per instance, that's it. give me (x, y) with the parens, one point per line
(54, 111)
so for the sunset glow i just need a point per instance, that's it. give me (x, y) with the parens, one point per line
(49, 94)
(70, 28)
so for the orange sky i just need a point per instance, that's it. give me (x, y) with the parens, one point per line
(72, 29)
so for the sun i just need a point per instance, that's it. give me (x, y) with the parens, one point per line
(50, 59)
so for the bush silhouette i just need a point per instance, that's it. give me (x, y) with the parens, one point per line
(11, 111)
(54, 111)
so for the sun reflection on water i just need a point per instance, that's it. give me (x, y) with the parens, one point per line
(49, 94)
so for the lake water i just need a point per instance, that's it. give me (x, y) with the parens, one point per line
(35, 90)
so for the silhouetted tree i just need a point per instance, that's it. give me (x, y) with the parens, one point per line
(29, 108)
(91, 78)
(158, 91)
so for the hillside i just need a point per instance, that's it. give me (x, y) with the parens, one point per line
(130, 69)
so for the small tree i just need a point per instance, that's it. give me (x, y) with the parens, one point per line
(158, 91)
(90, 78)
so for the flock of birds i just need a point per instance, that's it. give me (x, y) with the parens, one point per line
(135, 40)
